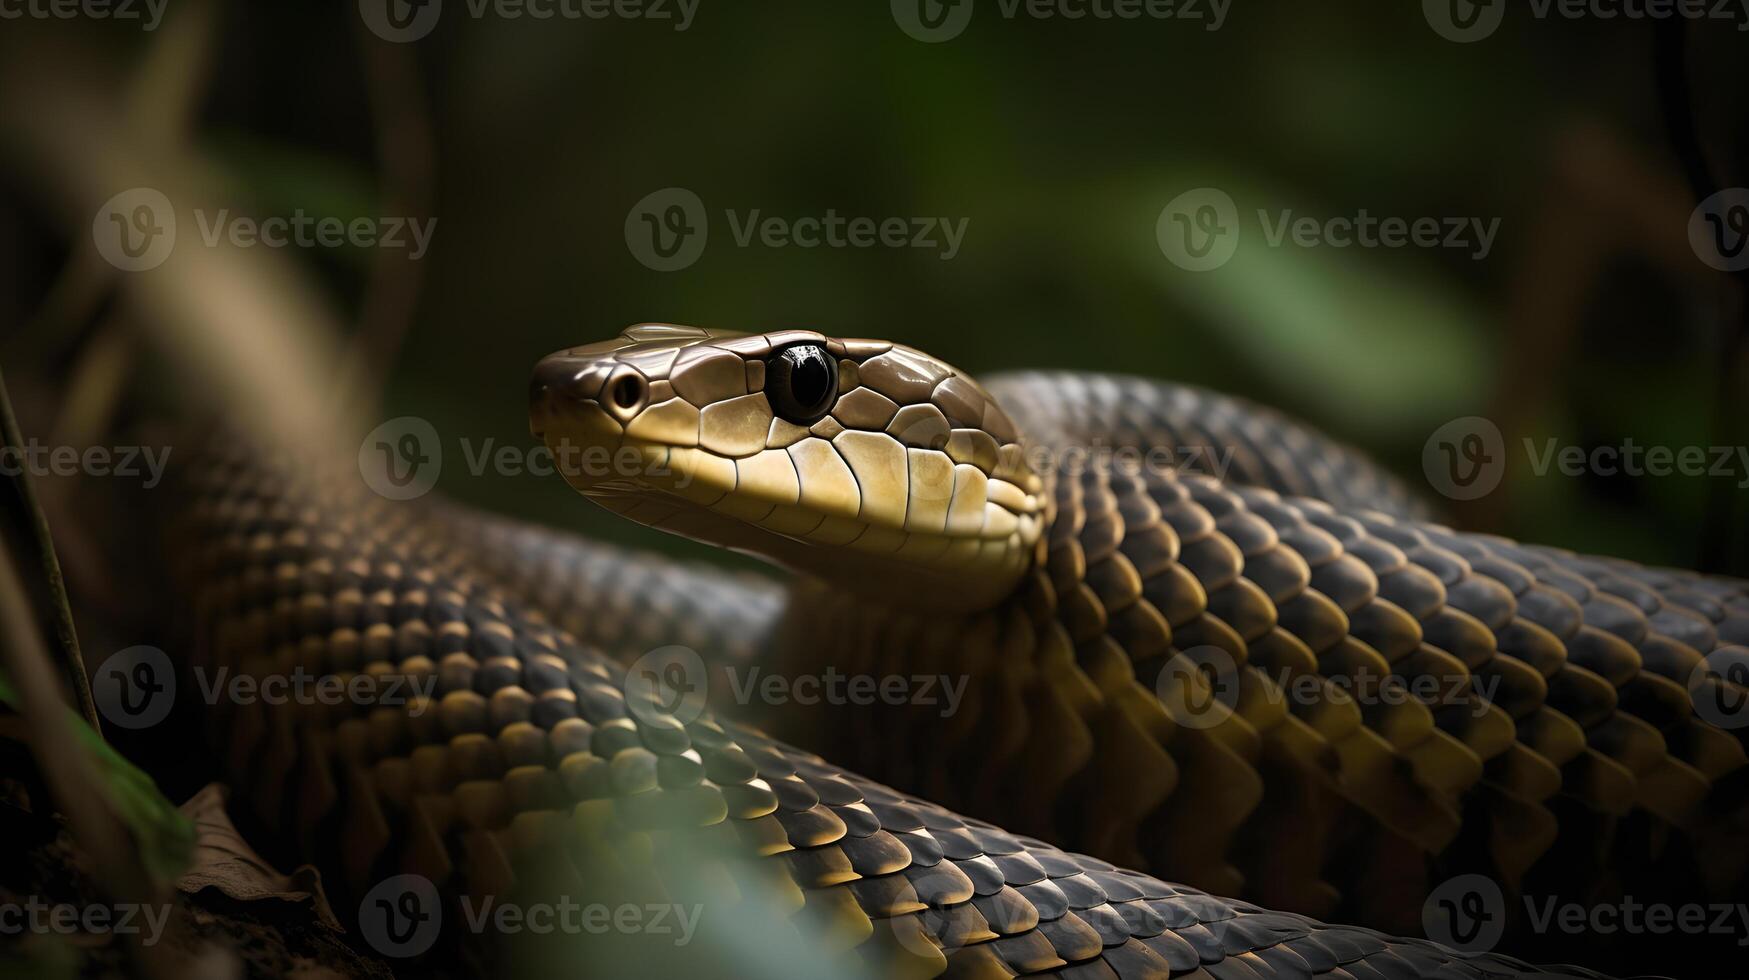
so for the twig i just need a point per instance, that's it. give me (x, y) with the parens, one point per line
(66, 765)
(405, 154)
(1732, 335)
(37, 530)
(1601, 198)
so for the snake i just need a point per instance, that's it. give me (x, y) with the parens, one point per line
(1176, 685)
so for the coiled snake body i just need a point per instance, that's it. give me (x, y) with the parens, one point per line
(1214, 680)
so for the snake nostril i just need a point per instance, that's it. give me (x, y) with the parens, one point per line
(628, 391)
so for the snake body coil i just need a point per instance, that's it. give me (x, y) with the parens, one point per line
(1213, 680)
(530, 763)
(1281, 684)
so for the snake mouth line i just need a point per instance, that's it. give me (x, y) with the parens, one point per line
(855, 461)
(661, 485)
(695, 494)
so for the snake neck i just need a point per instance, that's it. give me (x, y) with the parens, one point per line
(1075, 625)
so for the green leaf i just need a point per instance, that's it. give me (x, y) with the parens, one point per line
(1375, 340)
(164, 836)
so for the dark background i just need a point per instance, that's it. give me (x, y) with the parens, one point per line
(1060, 141)
(1591, 321)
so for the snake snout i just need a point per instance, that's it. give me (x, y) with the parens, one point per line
(567, 385)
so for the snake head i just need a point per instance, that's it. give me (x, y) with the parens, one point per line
(868, 464)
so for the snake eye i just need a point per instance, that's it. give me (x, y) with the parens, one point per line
(801, 382)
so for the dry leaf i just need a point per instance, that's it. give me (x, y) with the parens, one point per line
(224, 860)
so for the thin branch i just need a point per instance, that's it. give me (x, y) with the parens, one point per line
(1732, 336)
(405, 155)
(30, 515)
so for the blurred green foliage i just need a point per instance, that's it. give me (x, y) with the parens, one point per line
(1060, 141)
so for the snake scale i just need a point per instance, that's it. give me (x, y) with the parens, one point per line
(946, 527)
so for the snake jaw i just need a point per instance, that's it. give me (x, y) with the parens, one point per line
(912, 486)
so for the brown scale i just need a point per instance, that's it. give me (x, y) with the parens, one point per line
(1117, 632)
(1674, 759)
(1333, 594)
(1590, 686)
(1088, 601)
(1624, 756)
(1484, 729)
(1294, 761)
(1267, 448)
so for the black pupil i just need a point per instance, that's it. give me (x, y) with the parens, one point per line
(802, 383)
(809, 379)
